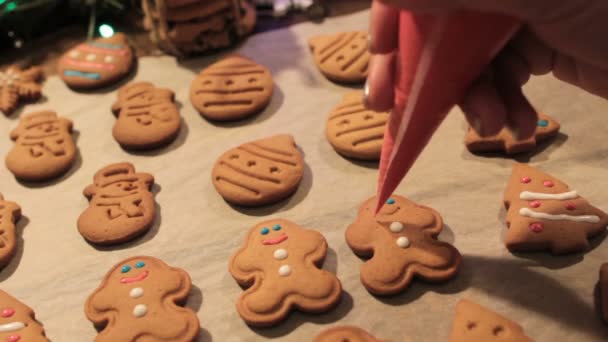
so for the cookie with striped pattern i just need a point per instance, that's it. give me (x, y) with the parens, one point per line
(342, 57)
(231, 89)
(260, 172)
(355, 131)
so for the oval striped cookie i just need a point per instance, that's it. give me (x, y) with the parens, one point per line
(231, 89)
(355, 131)
(259, 172)
(342, 57)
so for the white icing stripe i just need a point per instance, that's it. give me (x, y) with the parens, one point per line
(534, 214)
(527, 195)
(11, 326)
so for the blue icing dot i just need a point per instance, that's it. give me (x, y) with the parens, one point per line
(390, 201)
(543, 123)
(276, 227)
(140, 264)
(265, 231)
(125, 269)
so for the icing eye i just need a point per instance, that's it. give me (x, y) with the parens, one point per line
(8, 312)
(543, 123)
(526, 180)
(125, 269)
(140, 264)
(390, 201)
(265, 231)
(276, 227)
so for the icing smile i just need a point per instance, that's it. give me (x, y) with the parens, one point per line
(127, 280)
(10, 327)
(275, 241)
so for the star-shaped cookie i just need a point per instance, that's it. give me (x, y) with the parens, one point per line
(17, 85)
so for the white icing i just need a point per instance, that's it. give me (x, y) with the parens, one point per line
(74, 53)
(284, 270)
(528, 196)
(136, 292)
(280, 254)
(403, 242)
(561, 217)
(91, 57)
(14, 326)
(108, 59)
(396, 227)
(140, 310)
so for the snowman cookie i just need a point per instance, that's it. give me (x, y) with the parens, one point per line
(138, 300)
(279, 264)
(18, 322)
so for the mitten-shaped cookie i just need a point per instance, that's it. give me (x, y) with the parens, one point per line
(141, 299)
(505, 142)
(280, 265)
(401, 243)
(345, 333)
(342, 57)
(473, 322)
(44, 148)
(147, 116)
(543, 213)
(121, 205)
(18, 322)
(10, 213)
(17, 85)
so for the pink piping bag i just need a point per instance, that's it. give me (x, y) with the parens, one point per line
(440, 56)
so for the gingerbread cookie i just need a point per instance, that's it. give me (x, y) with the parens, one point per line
(543, 213)
(18, 85)
(147, 116)
(401, 242)
(603, 292)
(140, 299)
(473, 322)
(44, 147)
(279, 264)
(121, 205)
(10, 213)
(345, 333)
(18, 322)
(259, 172)
(97, 63)
(342, 57)
(355, 131)
(231, 89)
(505, 142)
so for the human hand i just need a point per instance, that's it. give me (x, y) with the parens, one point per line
(566, 38)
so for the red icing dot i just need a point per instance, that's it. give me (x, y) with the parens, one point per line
(548, 184)
(534, 204)
(8, 312)
(13, 338)
(570, 206)
(537, 227)
(526, 180)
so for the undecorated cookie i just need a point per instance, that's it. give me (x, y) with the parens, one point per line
(44, 148)
(543, 213)
(355, 131)
(603, 291)
(18, 322)
(231, 89)
(18, 85)
(10, 213)
(345, 333)
(401, 243)
(97, 63)
(342, 57)
(121, 205)
(505, 142)
(280, 265)
(260, 172)
(147, 116)
(141, 299)
(473, 322)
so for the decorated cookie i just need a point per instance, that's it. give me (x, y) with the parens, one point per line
(231, 89)
(147, 116)
(141, 299)
(97, 63)
(473, 322)
(44, 147)
(355, 131)
(543, 213)
(401, 243)
(18, 322)
(10, 213)
(505, 142)
(279, 264)
(345, 333)
(603, 291)
(342, 57)
(259, 172)
(18, 85)
(121, 205)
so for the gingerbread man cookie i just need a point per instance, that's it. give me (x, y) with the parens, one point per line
(44, 147)
(543, 213)
(147, 116)
(17, 85)
(121, 205)
(401, 242)
(10, 213)
(342, 57)
(138, 301)
(18, 322)
(279, 264)
(345, 333)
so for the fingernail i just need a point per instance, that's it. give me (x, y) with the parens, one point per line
(516, 133)
(369, 42)
(365, 93)
(477, 126)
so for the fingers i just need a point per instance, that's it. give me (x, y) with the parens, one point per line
(589, 77)
(483, 107)
(537, 55)
(379, 91)
(383, 28)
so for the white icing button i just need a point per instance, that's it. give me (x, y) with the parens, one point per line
(284, 270)
(136, 292)
(140, 310)
(396, 227)
(280, 254)
(74, 54)
(108, 59)
(91, 57)
(403, 242)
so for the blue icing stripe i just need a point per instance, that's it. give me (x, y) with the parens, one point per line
(104, 45)
(75, 73)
